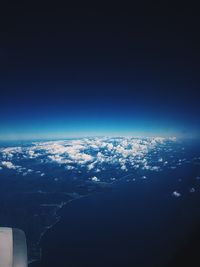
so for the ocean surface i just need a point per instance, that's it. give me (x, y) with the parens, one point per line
(136, 223)
(103, 201)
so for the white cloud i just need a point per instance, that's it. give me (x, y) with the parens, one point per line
(158, 139)
(91, 166)
(154, 168)
(32, 154)
(59, 159)
(95, 179)
(9, 165)
(151, 168)
(124, 168)
(80, 158)
(176, 194)
(110, 146)
(96, 154)
(69, 167)
(9, 152)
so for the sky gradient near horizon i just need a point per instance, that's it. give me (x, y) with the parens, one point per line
(99, 71)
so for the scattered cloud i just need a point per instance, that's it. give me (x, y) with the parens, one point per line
(9, 165)
(94, 154)
(144, 177)
(176, 194)
(95, 179)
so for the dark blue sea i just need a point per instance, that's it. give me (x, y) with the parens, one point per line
(111, 202)
(136, 223)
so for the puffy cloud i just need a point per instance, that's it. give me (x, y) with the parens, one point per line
(96, 154)
(65, 152)
(31, 154)
(95, 179)
(176, 194)
(109, 146)
(9, 152)
(158, 139)
(81, 157)
(123, 168)
(9, 165)
(91, 166)
(69, 167)
(150, 168)
(58, 159)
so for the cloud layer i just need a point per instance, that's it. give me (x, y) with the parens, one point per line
(93, 155)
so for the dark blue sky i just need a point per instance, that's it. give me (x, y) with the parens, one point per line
(99, 70)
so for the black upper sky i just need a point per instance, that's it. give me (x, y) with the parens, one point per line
(135, 62)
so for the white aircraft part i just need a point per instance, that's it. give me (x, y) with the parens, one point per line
(6, 247)
(13, 251)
